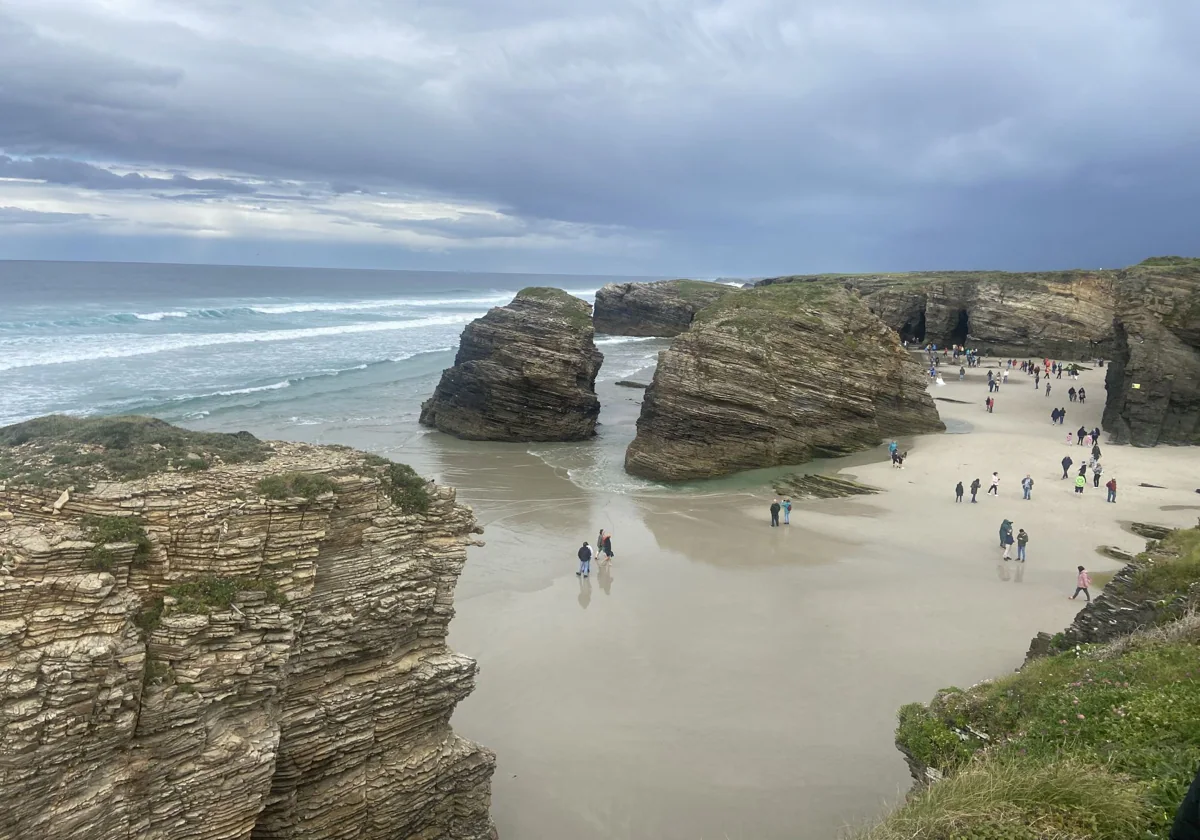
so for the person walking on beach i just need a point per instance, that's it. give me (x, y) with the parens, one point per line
(958, 492)
(1007, 540)
(1005, 532)
(1079, 435)
(1027, 485)
(1082, 582)
(585, 560)
(1069, 438)
(994, 490)
(1082, 396)
(1096, 451)
(1097, 469)
(1062, 415)
(1071, 394)
(604, 545)
(787, 511)
(774, 513)
(1022, 541)
(1111, 487)
(974, 489)
(1080, 481)
(1047, 387)
(1066, 464)
(1087, 440)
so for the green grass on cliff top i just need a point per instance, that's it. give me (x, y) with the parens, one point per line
(751, 311)
(575, 311)
(59, 452)
(699, 291)
(1123, 717)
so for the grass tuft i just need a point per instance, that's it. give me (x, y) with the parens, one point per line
(294, 485)
(104, 530)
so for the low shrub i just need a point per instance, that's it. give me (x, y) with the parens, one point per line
(216, 594)
(407, 490)
(104, 530)
(294, 485)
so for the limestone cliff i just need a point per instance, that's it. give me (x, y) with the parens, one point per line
(216, 638)
(1063, 314)
(1153, 381)
(665, 308)
(524, 372)
(777, 375)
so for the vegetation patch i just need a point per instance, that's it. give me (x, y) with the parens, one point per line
(216, 594)
(573, 310)
(105, 530)
(1123, 718)
(700, 292)
(58, 451)
(407, 490)
(296, 485)
(1167, 572)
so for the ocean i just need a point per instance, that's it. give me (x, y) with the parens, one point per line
(253, 348)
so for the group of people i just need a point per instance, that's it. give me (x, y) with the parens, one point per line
(1007, 540)
(777, 507)
(586, 553)
(1080, 395)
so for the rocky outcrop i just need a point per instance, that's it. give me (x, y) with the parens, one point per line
(1153, 380)
(777, 375)
(524, 372)
(665, 308)
(1064, 314)
(819, 486)
(183, 655)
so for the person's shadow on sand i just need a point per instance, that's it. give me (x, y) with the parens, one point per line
(604, 575)
(585, 592)
(1002, 570)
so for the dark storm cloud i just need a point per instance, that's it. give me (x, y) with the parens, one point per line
(79, 174)
(736, 133)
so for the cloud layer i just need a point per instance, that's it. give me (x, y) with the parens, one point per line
(672, 136)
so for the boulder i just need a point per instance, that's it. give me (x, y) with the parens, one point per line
(1153, 380)
(524, 372)
(777, 375)
(664, 308)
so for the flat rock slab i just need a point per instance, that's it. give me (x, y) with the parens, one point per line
(817, 486)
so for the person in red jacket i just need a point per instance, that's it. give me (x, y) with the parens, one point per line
(1111, 486)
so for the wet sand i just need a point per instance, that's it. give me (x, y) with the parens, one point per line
(725, 679)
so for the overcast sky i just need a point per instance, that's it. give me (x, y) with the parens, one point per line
(689, 137)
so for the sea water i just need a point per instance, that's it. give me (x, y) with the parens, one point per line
(335, 356)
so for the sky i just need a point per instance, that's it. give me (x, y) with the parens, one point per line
(664, 137)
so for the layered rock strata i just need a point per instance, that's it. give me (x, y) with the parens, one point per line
(777, 375)
(665, 308)
(1064, 314)
(1153, 380)
(524, 372)
(184, 657)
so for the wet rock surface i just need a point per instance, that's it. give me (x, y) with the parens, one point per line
(235, 666)
(665, 308)
(773, 376)
(1153, 381)
(524, 372)
(818, 486)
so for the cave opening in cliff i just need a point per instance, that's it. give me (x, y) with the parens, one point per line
(959, 334)
(914, 332)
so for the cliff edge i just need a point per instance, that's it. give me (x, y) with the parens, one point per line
(524, 372)
(777, 375)
(207, 636)
(1153, 381)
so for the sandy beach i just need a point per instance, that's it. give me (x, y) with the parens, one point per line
(726, 679)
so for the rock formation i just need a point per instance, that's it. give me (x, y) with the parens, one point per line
(1063, 314)
(220, 639)
(777, 375)
(524, 372)
(665, 308)
(1153, 380)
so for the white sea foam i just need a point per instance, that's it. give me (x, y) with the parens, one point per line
(35, 351)
(158, 316)
(366, 305)
(627, 339)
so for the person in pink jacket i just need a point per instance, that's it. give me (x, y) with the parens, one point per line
(1081, 585)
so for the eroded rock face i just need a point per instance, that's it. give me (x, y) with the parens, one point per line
(1153, 380)
(664, 309)
(524, 372)
(777, 375)
(1064, 314)
(294, 683)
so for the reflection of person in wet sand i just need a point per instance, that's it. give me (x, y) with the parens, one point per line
(585, 592)
(604, 576)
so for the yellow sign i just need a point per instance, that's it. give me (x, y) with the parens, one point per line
(1137, 386)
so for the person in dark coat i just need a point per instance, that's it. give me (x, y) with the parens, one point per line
(1080, 435)
(774, 513)
(1066, 464)
(958, 492)
(974, 489)
(1187, 818)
